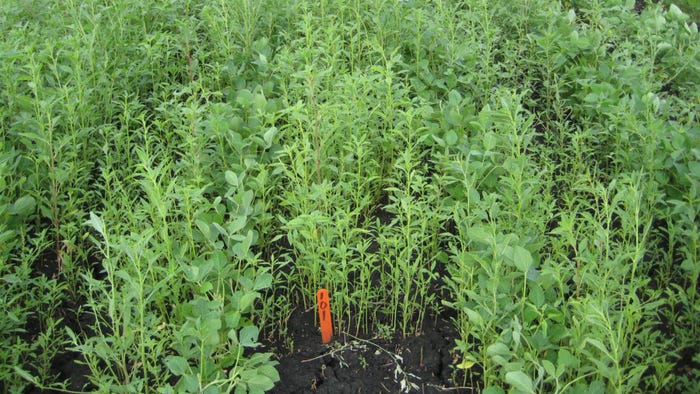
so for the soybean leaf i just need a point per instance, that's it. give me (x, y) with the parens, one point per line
(209, 332)
(262, 281)
(521, 258)
(231, 178)
(537, 295)
(474, 317)
(520, 381)
(493, 390)
(176, 364)
(498, 348)
(248, 336)
(549, 368)
(23, 206)
(246, 301)
(269, 371)
(566, 359)
(451, 138)
(480, 235)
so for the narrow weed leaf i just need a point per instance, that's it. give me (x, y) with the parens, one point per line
(97, 223)
(24, 374)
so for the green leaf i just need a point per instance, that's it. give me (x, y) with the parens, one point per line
(566, 359)
(167, 389)
(24, 374)
(537, 295)
(244, 97)
(97, 223)
(694, 168)
(233, 335)
(242, 248)
(231, 178)
(270, 372)
(489, 140)
(451, 138)
(498, 348)
(259, 102)
(480, 235)
(5, 238)
(246, 301)
(675, 13)
(209, 332)
(269, 136)
(262, 281)
(236, 224)
(533, 274)
(468, 361)
(233, 319)
(177, 365)
(438, 140)
(192, 273)
(248, 336)
(257, 383)
(598, 344)
(596, 387)
(190, 384)
(23, 206)
(474, 317)
(217, 230)
(455, 99)
(453, 117)
(549, 368)
(211, 390)
(206, 287)
(520, 381)
(203, 228)
(520, 257)
(493, 390)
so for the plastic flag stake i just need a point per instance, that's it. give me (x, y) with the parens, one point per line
(324, 315)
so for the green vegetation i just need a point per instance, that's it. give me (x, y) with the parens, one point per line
(175, 177)
(690, 7)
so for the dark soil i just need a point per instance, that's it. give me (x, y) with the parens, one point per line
(349, 364)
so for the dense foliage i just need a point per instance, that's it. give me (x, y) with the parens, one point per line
(176, 176)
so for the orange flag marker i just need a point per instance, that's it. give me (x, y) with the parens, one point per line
(324, 315)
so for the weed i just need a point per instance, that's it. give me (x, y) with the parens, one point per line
(187, 174)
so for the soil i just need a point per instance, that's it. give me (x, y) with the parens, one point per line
(422, 363)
